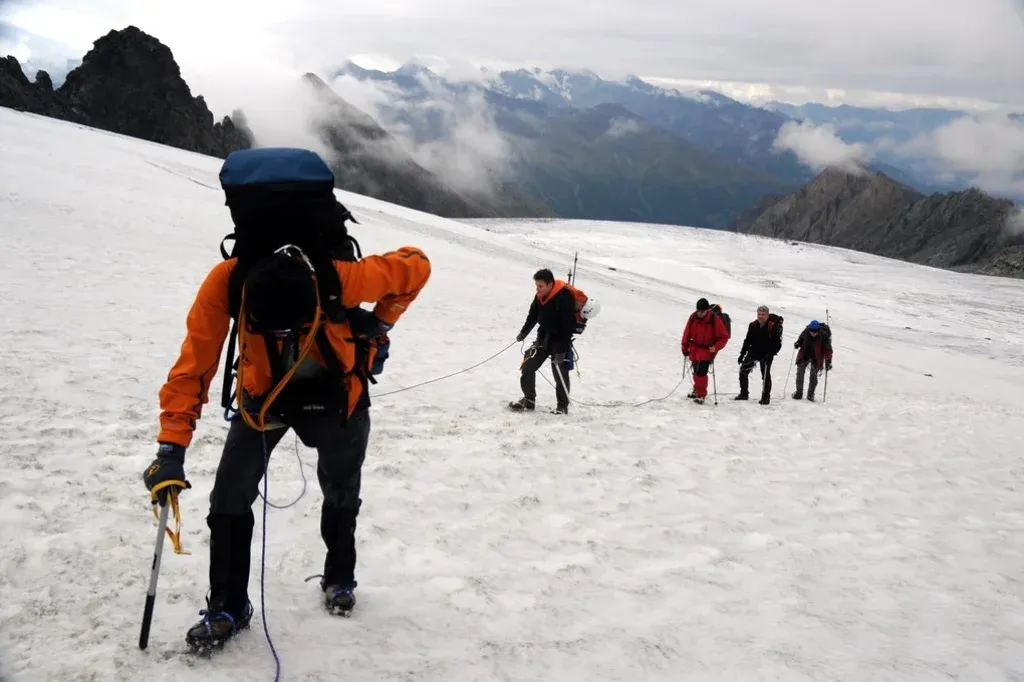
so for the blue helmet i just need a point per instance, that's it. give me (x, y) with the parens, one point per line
(814, 325)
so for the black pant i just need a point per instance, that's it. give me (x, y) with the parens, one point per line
(528, 377)
(700, 368)
(341, 449)
(801, 369)
(766, 375)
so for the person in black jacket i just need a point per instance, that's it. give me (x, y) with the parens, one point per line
(762, 344)
(554, 307)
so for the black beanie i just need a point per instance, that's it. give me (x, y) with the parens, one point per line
(702, 304)
(279, 294)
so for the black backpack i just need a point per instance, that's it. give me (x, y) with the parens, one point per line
(279, 197)
(716, 310)
(826, 335)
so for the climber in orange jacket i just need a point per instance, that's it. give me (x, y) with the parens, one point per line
(305, 348)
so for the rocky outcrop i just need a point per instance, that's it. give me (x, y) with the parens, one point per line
(871, 212)
(127, 83)
(17, 92)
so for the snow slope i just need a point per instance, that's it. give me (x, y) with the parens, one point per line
(877, 536)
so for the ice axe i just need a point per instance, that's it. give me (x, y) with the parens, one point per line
(154, 574)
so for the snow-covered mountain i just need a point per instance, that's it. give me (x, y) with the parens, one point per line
(876, 534)
(736, 132)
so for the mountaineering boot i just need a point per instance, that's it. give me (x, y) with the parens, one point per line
(765, 400)
(798, 395)
(217, 626)
(691, 395)
(561, 409)
(810, 396)
(522, 404)
(742, 396)
(699, 401)
(339, 600)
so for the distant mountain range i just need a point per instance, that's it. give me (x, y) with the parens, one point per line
(532, 143)
(594, 149)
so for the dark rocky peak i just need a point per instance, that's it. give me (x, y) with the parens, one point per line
(10, 68)
(129, 83)
(43, 81)
(132, 57)
(18, 93)
(869, 211)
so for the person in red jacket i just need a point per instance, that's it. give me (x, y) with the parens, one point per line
(704, 335)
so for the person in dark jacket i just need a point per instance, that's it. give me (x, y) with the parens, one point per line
(554, 308)
(815, 344)
(762, 344)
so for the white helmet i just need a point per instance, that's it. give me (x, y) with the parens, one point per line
(590, 309)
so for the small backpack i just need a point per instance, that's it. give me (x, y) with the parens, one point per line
(717, 311)
(826, 336)
(581, 300)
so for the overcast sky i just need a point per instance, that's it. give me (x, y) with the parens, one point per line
(862, 51)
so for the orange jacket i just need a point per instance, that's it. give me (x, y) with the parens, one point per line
(392, 281)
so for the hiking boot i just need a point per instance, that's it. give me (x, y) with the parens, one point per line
(217, 627)
(764, 401)
(523, 404)
(742, 396)
(810, 397)
(561, 409)
(699, 401)
(691, 395)
(798, 395)
(339, 600)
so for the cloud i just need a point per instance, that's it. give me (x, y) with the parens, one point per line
(787, 43)
(819, 146)
(451, 133)
(36, 54)
(620, 127)
(1015, 223)
(989, 149)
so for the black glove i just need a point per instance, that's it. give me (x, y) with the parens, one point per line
(796, 344)
(169, 465)
(366, 325)
(520, 336)
(828, 366)
(377, 329)
(739, 360)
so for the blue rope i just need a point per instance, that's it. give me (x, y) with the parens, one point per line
(263, 559)
(305, 483)
(230, 415)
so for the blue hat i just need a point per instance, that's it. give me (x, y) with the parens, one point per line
(814, 325)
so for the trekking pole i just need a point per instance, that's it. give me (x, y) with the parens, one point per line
(824, 396)
(714, 382)
(788, 372)
(147, 614)
(556, 369)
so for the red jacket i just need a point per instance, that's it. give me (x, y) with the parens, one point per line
(702, 338)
